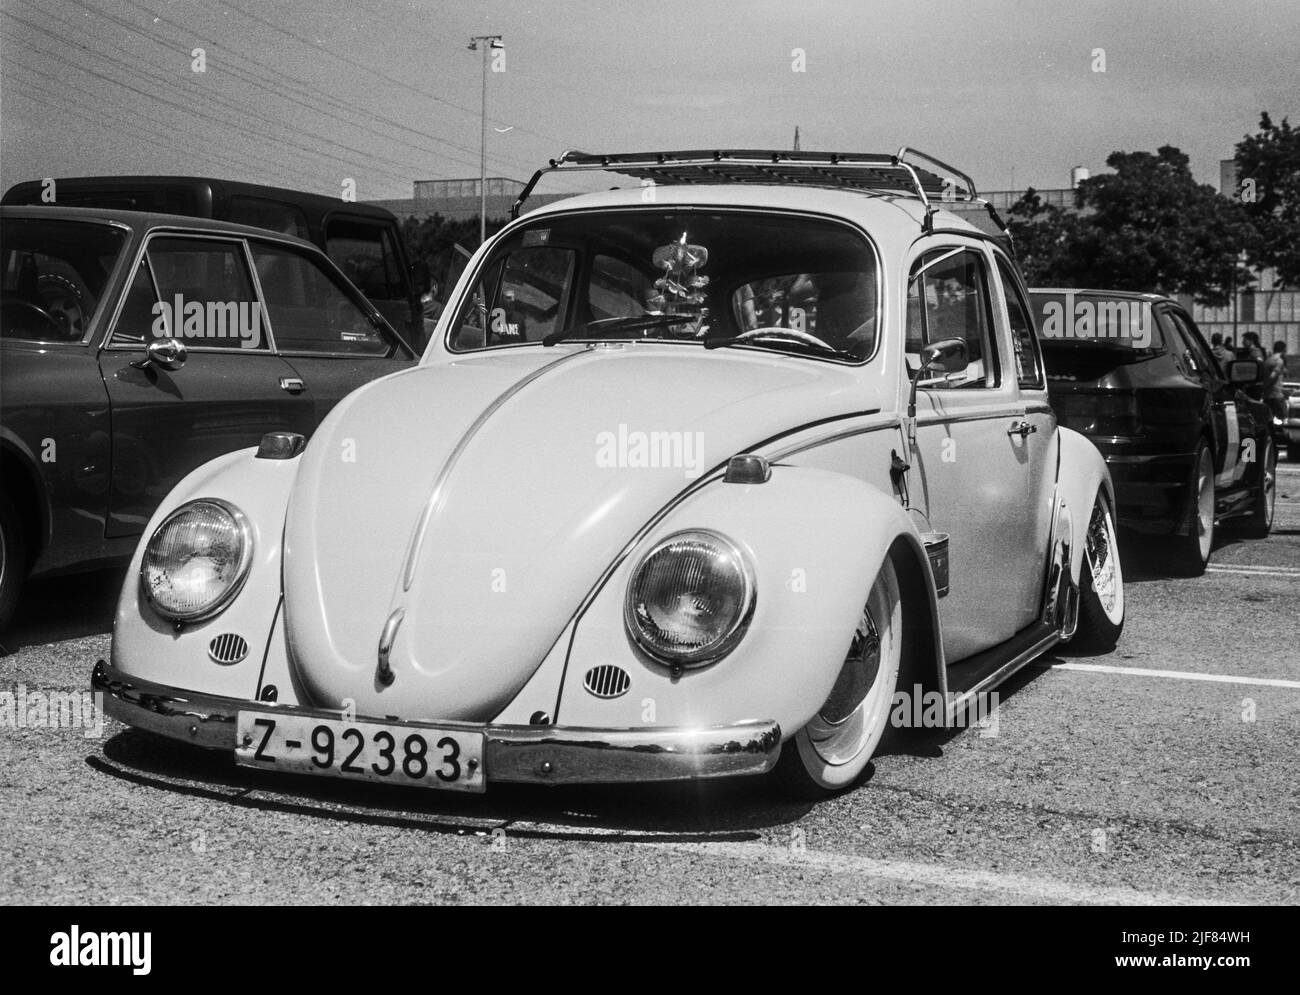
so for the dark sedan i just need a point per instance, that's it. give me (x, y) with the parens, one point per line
(1188, 449)
(137, 347)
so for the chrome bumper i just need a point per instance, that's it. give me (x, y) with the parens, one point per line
(531, 754)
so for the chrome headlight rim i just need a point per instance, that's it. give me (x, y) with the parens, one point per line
(721, 647)
(242, 569)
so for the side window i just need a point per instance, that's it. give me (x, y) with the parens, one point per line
(138, 317)
(617, 289)
(204, 297)
(366, 255)
(309, 311)
(1197, 350)
(948, 297)
(1029, 366)
(259, 212)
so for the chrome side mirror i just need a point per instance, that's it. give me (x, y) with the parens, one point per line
(945, 356)
(166, 354)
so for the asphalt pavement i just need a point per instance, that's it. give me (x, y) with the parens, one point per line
(1165, 771)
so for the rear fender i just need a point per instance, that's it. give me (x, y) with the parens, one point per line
(1082, 474)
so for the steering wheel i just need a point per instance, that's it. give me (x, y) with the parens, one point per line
(12, 304)
(63, 300)
(784, 335)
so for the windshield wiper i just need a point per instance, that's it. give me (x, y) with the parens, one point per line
(809, 343)
(629, 323)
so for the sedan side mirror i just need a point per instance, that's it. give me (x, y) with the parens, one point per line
(1244, 371)
(166, 354)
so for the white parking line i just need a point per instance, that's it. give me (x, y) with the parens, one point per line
(1181, 675)
(931, 875)
(1256, 571)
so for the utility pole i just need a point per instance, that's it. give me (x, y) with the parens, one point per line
(489, 43)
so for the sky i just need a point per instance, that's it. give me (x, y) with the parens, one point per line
(308, 94)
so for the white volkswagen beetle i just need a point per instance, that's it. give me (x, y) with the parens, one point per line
(709, 471)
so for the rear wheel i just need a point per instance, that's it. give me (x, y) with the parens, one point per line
(830, 753)
(1260, 521)
(1101, 586)
(13, 560)
(1191, 552)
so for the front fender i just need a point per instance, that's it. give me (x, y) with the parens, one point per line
(1082, 473)
(148, 646)
(816, 540)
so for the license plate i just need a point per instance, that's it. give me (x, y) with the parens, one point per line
(390, 753)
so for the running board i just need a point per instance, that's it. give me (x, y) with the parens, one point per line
(985, 671)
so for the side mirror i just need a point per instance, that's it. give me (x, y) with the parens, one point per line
(1244, 371)
(421, 277)
(944, 356)
(166, 354)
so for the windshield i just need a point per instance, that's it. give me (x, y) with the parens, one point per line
(725, 278)
(54, 275)
(1067, 319)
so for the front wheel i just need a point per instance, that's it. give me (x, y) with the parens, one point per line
(830, 753)
(1259, 523)
(1101, 586)
(13, 559)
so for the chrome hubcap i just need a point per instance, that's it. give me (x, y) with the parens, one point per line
(1100, 546)
(1205, 505)
(861, 665)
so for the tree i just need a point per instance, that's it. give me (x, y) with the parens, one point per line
(1146, 226)
(434, 240)
(1044, 237)
(1268, 187)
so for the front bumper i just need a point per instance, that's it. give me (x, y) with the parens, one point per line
(528, 754)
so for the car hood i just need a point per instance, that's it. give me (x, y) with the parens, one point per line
(483, 498)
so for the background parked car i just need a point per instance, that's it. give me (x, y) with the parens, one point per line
(99, 417)
(1292, 424)
(363, 240)
(1187, 446)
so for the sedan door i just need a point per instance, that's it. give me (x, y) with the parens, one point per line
(230, 391)
(322, 328)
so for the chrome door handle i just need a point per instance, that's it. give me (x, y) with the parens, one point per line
(293, 385)
(1022, 429)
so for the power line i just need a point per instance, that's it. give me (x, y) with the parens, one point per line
(191, 111)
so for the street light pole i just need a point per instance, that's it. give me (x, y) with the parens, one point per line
(489, 42)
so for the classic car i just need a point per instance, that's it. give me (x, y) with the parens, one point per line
(137, 347)
(770, 453)
(1188, 446)
(363, 240)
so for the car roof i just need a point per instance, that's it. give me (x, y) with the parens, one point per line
(878, 213)
(1128, 295)
(317, 203)
(145, 220)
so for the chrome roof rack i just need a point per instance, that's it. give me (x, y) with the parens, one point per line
(907, 173)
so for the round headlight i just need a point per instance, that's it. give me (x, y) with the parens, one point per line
(197, 560)
(690, 599)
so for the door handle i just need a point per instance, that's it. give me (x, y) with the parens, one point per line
(1022, 429)
(293, 385)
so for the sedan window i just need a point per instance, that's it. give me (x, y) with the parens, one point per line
(54, 275)
(309, 311)
(201, 293)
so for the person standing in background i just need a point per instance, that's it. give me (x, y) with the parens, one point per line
(1274, 374)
